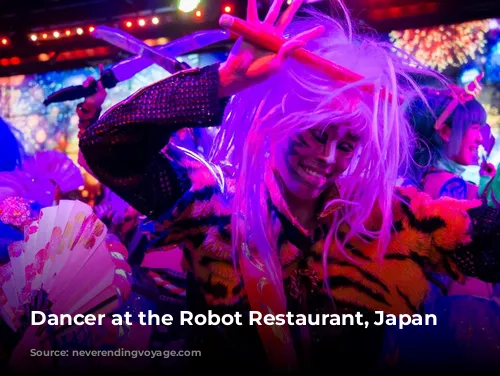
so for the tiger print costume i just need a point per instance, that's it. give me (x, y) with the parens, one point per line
(129, 151)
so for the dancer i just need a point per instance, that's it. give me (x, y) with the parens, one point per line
(308, 211)
(448, 126)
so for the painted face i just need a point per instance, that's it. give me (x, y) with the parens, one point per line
(312, 160)
(469, 149)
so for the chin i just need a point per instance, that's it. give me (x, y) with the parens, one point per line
(302, 191)
(467, 160)
(472, 161)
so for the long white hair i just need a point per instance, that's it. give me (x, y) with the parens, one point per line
(298, 98)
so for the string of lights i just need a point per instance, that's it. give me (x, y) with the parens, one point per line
(193, 8)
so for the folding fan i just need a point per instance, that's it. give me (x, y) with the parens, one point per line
(66, 264)
(39, 177)
(54, 166)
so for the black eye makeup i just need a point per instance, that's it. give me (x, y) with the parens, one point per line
(345, 146)
(319, 136)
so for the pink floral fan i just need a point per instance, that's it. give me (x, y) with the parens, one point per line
(66, 264)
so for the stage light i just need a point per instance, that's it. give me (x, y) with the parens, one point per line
(288, 2)
(5, 41)
(155, 20)
(128, 24)
(68, 33)
(91, 29)
(44, 36)
(34, 37)
(43, 57)
(142, 22)
(187, 6)
(79, 31)
(56, 34)
(227, 9)
(198, 13)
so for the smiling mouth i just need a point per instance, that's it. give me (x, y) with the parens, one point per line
(311, 171)
(307, 174)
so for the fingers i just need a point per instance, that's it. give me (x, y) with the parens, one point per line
(308, 35)
(288, 48)
(285, 51)
(288, 15)
(299, 41)
(274, 12)
(252, 13)
(237, 46)
(88, 81)
(100, 87)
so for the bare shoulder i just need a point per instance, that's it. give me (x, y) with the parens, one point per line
(446, 184)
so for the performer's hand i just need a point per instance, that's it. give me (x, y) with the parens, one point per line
(88, 110)
(247, 64)
(96, 100)
(487, 169)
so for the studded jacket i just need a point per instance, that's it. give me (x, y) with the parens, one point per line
(129, 151)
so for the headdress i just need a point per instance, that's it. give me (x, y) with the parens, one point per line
(459, 96)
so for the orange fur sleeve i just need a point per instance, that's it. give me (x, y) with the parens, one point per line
(444, 224)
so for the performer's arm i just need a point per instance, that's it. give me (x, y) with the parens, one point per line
(128, 147)
(481, 257)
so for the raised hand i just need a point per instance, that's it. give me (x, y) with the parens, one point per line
(87, 110)
(487, 169)
(248, 64)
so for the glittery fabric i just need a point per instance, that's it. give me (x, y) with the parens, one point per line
(481, 258)
(123, 147)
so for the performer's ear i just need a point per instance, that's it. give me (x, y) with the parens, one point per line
(445, 132)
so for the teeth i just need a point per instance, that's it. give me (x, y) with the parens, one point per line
(312, 173)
